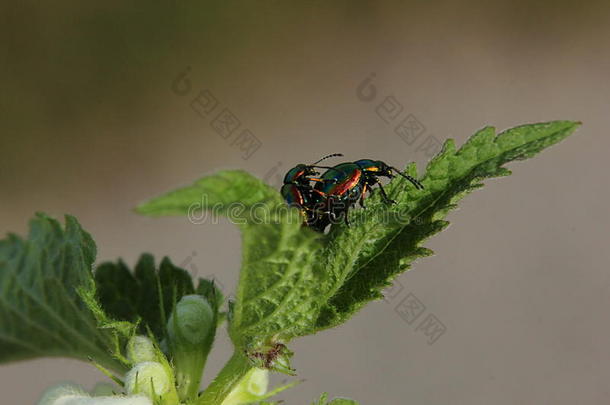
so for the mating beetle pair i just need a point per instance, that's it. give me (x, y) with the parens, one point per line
(337, 190)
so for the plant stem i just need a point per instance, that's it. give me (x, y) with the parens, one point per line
(230, 375)
(188, 367)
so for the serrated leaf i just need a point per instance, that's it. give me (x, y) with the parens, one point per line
(41, 313)
(136, 296)
(276, 295)
(365, 258)
(293, 283)
(209, 290)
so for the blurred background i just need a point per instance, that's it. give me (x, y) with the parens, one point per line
(105, 104)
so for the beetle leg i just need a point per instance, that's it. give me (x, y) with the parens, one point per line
(362, 196)
(385, 196)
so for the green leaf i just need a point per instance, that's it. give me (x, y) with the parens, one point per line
(41, 313)
(136, 296)
(295, 282)
(278, 286)
(365, 258)
(209, 290)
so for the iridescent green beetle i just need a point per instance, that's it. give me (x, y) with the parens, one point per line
(347, 183)
(298, 190)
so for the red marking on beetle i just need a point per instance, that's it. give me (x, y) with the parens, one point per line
(348, 184)
(298, 197)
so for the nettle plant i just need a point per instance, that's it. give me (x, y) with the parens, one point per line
(150, 329)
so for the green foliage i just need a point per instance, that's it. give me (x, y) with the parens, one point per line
(293, 281)
(277, 292)
(208, 290)
(40, 311)
(364, 259)
(147, 294)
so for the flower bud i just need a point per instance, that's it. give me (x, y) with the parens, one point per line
(190, 329)
(191, 321)
(104, 389)
(258, 382)
(251, 388)
(69, 394)
(140, 349)
(60, 394)
(148, 378)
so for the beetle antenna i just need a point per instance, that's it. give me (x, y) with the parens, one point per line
(413, 181)
(326, 157)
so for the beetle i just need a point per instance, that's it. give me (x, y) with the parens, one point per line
(298, 191)
(347, 183)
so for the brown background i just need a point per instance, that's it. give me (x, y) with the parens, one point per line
(89, 126)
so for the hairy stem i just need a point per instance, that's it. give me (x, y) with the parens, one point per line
(228, 378)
